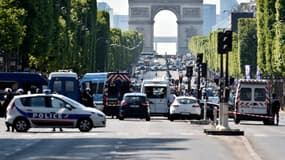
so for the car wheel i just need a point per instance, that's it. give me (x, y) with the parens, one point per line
(21, 125)
(85, 125)
(171, 118)
(237, 121)
(147, 118)
(268, 122)
(121, 118)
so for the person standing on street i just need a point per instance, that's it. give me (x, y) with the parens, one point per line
(87, 98)
(275, 108)
(7, 98)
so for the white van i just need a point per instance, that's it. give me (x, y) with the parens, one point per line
(157, 92)
(252, 101)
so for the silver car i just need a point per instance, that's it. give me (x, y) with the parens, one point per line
(51, 111)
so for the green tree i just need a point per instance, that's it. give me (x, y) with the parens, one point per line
(103, 38)
(12, 28)
(279, 53)
(247, 44)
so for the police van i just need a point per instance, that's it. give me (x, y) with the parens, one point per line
(157, 91)
(64, 82)
(252, 101)
(51, 111)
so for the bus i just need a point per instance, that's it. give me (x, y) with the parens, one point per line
(117, 84)
(26, 80)
(65, 83)
(96, 83)
(157, 91)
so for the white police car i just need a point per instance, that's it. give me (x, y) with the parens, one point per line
(51, 110)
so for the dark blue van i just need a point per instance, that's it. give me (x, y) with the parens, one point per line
(65, 83)
(25, 80)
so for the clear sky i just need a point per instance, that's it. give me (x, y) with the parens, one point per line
(121, 6)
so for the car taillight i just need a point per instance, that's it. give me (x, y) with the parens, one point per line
(145, 104)
(175, 106)
(196, 106)
(11, 107)
(124, 103)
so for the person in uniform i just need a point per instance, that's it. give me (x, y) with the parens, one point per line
(275, 108)
(7, 98)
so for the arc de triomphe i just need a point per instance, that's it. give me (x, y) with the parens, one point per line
(188, 13)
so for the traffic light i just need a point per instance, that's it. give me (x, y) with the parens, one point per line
(199, 58)
(204, 70)
(225, 41)
(189, 71)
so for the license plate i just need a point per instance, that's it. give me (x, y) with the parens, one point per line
(112, 103)
(185, 113)
(134, 106)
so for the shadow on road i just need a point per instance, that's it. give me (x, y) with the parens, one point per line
(95, 148)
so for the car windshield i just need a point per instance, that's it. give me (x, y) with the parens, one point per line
(186, 101)
(214, 99)
(72, 102)
(133, 99)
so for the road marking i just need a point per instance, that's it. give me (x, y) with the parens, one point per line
(249, 148)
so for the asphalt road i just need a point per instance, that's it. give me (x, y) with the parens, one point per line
(137, 139)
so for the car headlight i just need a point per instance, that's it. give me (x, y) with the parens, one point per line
(100, 115)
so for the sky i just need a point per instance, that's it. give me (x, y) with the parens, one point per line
(162, 19)
(121, 6)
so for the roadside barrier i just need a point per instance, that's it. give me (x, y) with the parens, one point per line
(251, 115)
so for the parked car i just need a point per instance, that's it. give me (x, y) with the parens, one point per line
(134, 105)
(51, 111)
(185, 107)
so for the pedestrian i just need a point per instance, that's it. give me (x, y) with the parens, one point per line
(8, 96)
(19, 91)
(60, 129)
(275, 108)
(87, 98)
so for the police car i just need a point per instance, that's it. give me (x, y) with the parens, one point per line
(51, 110)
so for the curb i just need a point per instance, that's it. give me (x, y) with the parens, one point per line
(230, 132)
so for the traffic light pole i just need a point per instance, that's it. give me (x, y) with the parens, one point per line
(224, 47)
(198, 83)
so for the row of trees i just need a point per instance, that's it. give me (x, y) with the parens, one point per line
(259, 42)
(65, 34)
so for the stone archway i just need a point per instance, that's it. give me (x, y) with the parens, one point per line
(188, 13)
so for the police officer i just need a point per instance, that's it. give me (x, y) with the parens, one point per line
(275, 108)
(7, 98)
(19, 91)
(87, 98)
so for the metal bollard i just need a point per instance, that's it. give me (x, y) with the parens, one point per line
(215, 116)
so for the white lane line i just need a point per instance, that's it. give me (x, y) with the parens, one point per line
(249, 148)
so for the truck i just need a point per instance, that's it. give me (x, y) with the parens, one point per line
(117, 84)
(252, 101)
